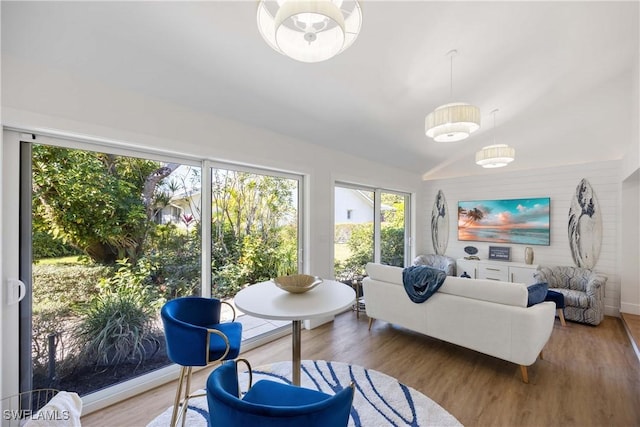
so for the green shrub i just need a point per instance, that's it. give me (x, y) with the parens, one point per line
(45, 246)
(57, 290)
(59, 286)
(175, 257)
(360, 244)
(117, 325)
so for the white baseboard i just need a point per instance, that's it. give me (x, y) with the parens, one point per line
(626, 307)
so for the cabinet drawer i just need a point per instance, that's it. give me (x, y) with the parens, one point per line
(522, 275)
(466, 266)
(494, 272)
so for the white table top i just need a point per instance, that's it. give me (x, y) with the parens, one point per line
(267, 301)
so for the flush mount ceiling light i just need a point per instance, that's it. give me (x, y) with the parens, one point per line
(496, 155)
(309, 30)
(454, 121)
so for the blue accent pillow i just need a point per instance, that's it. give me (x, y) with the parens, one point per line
(537, 293)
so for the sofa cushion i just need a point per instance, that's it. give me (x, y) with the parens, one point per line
(487, 290)
(385, 273)
(537, 293)
(575, 298)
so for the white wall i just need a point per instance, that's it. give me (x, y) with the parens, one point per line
(630, 237)
(558, 183)
(630, 206)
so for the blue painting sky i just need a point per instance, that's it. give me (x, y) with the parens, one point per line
(513, 213)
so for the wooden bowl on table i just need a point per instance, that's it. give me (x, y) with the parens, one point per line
(297, 283)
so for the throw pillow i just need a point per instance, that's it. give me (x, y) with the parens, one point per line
(537, 293)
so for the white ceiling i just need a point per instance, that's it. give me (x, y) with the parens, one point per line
(559, 72)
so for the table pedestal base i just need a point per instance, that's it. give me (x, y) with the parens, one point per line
(295, 369)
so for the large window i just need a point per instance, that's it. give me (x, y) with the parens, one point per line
(371, 225)
(112, 236)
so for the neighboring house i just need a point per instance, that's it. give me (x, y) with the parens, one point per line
(182, 210)
(352, 206)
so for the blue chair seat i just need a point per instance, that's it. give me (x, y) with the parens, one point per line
(233, 331)
(272, 393)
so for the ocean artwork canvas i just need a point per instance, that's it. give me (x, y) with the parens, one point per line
(517, 221)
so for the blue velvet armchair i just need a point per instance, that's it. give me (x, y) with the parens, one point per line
(271, 404)
(195, 337)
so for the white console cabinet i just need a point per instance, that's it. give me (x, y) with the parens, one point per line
(497, 270)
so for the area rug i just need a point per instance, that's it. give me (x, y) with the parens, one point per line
(379, 400)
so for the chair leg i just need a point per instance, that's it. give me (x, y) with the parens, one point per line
(371, 319)
(525, 374)
(187, 395)
(176, 402)
(561, 316)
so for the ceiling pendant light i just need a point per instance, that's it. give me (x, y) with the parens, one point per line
(454, 121)
(496, 155)
(309, 30)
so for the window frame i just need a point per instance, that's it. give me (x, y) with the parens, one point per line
(377, 223)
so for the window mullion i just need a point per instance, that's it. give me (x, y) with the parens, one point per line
(205, 225)
(377, 215)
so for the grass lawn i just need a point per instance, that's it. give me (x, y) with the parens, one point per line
(341, 252)
(62, 260)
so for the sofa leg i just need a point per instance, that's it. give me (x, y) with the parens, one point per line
(561, 316)
(371, 319)
(541, 355)
(525, 374)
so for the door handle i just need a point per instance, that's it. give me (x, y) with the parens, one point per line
(15, 291)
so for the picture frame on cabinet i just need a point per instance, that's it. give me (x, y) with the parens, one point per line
(500, 253)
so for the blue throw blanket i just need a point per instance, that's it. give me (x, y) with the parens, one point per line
(421, 281)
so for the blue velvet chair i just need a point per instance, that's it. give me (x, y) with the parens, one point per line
(195, 337)
(271, 404)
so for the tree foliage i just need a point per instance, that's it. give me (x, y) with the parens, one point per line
(100, 204)
(254, 234)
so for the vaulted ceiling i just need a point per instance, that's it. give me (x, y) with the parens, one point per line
(560, 73)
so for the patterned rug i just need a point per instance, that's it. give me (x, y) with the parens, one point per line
(379, 400)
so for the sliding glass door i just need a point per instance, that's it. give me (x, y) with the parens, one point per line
(112, 238)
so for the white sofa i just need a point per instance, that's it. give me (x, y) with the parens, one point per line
(484, 315)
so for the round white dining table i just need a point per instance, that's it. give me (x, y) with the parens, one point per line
(267, 301)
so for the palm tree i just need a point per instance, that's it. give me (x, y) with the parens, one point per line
(473, 216)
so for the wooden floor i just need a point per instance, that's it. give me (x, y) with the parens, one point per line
(590, 376)
(632, 325)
